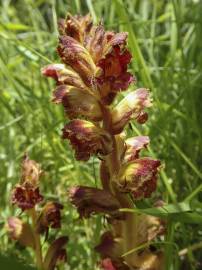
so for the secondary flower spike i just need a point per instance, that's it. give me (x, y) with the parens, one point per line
(26, 194)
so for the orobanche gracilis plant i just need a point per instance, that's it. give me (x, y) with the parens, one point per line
(34, 222)
(93, 73)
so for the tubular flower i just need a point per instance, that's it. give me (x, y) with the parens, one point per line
(131, 106)
(139, 177)
(89, 200)
(50, 217)
(87, 139)
(77, 103)
(63, 75)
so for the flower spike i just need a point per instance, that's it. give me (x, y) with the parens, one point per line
(94, 71)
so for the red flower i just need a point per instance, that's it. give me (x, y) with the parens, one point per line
(114, 76)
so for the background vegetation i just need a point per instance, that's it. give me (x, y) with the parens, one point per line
(165, 40)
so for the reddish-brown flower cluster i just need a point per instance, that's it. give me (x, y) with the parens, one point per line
(94, 71)
(26, 194)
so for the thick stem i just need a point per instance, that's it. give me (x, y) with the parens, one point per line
(130, 224)
(38, 252)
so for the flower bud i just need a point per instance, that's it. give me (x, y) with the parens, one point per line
(89, 200)
(77, 57)
(76, 27)
(50, 216)
(139, 177)
(31, 171)
(87, 139)
(130, 107)
(20, 231)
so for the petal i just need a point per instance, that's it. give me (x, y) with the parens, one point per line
(77, 57)
(87, 139)
(130, 107)
(133, 147)
(139, 177)
(77, 102)
(89, 200)
(63, 75)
